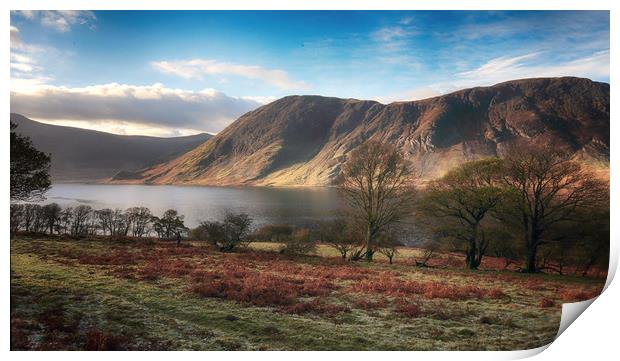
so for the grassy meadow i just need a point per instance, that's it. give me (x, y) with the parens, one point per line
(103, 294)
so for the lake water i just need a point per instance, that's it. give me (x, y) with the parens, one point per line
(266, 205)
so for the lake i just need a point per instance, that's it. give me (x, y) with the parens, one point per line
(265, 204)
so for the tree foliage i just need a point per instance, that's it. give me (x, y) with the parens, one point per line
(30, 177)
(465, 196)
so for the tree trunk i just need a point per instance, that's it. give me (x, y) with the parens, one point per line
(369, 250)
(472, 250)
(530, 266)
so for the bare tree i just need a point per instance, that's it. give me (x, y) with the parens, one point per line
(170, 225)
(377, 183)
(550, 189)
(51, 215)
(387, 244)
(17, 215)
(230, 233)
(119, 225)
(339, 235)
(80, 220)
(66, 219)
(30, 217)
(104, 217)
(138, 219)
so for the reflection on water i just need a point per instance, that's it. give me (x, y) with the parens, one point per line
(264, 204)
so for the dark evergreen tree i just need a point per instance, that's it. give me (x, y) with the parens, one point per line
(30, 177)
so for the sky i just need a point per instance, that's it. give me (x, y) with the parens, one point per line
(171, 73)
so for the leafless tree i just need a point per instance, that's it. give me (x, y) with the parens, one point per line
(339, 234)
(17, 215)
(550, 188)
(51, 215)
(387, 244)
(81, 220)
(138, 219)
(377, 183)
(104, 217)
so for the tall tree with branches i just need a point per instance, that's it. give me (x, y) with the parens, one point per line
(550, 189)
(466, 195)
(376, 181)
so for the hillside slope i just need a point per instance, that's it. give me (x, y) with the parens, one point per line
(88, 155)
(303, 140)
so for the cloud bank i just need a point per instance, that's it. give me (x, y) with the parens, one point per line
(165, 110)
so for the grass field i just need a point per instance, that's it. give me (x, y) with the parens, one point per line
(101, 294)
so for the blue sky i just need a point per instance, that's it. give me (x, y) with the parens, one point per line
(180, 72)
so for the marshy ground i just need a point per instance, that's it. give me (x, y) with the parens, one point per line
(149, 295)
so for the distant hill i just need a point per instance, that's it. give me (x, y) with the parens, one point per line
(87, 155)
(304, 140)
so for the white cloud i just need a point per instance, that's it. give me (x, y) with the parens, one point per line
(496, 70)
(406, 20)
(391, 33)
(59, 20)
(501, 69)
(409, 95)
(16, 40)
(28, 14)
(197, 68)
(128, 106)
(261, 99)
(23, 58)
(497, 66)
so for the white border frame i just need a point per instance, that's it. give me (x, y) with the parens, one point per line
(592, 336)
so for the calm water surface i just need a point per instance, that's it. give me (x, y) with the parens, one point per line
(264, 204)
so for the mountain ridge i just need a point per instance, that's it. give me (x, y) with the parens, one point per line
(303, 140)
(85, 155)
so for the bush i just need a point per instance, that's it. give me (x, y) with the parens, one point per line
(278, 233)
(341, 235)
(300, 242)
(545, 302)
(228, 234)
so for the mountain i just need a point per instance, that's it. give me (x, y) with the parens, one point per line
(88, 155)
(303, 140)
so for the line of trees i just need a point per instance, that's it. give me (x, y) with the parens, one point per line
(536, 204)
(83, 220)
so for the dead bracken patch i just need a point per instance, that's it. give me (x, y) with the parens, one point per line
(258, 289)
(399, 288)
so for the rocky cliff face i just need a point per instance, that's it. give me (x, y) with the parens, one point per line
(303, 140)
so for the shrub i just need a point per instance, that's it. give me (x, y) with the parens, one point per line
(391, 286)
(299, 243)
(228, 234)
(545, 302)
(578, 295)
(97, 340)
(316, 306)
(410, 310)
(257, 288)
(340, 235)
(278, 233)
